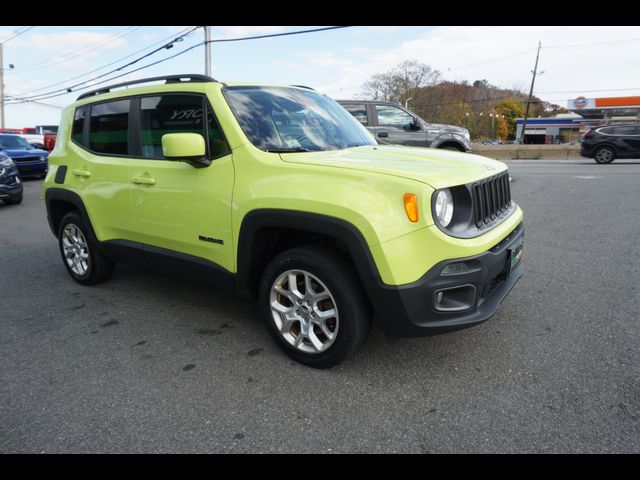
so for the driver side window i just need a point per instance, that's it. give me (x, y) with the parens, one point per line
(389, 116)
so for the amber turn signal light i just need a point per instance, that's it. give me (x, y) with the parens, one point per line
(411, 206)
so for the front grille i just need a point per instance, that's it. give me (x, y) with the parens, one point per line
(491, 198)
(26, 159)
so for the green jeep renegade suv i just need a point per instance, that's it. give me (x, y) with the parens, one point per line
(280, 192)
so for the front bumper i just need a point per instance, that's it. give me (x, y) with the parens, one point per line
(10, 187)
(411, 311)
(32, 167)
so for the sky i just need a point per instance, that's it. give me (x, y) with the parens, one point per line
(588, 61)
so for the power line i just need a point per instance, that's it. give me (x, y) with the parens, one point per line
(275, 34)
(35, 101)
(78, 52)
(56, 93)
(163, 41)
(71, 88)
(117, 76)
(497, 59)
(15, 34)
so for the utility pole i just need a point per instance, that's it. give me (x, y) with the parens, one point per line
(207, 50)
(1, 89)
(533, 80)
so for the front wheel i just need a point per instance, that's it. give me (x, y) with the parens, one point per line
(83, 261)
(314, 306)
(604, 155)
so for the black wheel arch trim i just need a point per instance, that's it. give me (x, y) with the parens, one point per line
(64, 195)
(345, 232)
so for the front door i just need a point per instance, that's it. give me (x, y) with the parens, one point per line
(396, 126)
(177, 206)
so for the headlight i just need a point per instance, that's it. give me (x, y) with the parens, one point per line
(42, 159)
(6, 162)
(444, 207)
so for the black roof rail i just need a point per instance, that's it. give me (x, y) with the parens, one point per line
(304, 86)
(168, 79)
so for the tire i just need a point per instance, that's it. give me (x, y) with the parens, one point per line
(452, 147)
(604, 155)
(91, 267)
(335, 286)
(14, 201)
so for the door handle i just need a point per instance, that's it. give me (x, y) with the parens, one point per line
(383, 134)
(144, 180)
(81, 173)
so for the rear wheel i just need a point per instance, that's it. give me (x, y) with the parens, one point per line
(83, 261)
(604, 155)
(314, 306)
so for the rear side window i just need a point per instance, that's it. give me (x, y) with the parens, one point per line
(625, 130)
(78, 125)
(163, 114)
(358, 111)
(109, 127)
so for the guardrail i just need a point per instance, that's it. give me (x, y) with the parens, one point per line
(528, 152)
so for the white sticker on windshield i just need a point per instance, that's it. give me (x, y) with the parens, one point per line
(292, 143)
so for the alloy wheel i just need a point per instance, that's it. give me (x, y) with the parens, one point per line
(75, 248)
(304, 311)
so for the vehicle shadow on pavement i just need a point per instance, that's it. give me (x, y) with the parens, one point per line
(183, 306)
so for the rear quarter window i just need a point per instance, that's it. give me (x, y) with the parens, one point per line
(77, 129)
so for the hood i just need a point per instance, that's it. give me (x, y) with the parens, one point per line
(435, 167)
(24, 152)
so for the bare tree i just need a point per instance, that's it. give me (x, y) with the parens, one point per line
(400, 83)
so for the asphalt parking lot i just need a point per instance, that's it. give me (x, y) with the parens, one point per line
(148, 362)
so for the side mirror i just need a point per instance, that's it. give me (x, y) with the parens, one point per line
(413, 126)
(185, 147)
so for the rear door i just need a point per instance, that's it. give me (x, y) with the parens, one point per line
(628, 139)
(177, 206)
(395, 126)
(362, 112)
(99, 166)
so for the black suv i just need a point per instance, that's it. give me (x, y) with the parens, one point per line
(607, 142)
(390, 123)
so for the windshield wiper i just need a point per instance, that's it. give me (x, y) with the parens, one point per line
(287, 150)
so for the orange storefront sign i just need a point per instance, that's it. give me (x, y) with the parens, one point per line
(618, 102)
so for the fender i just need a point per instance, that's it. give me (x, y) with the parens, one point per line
(334, 227)
(447, 137)
(68, 196)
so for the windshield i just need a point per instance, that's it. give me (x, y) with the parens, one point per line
(11, 141)
(281, 119)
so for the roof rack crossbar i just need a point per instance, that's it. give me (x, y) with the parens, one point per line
(167, 78)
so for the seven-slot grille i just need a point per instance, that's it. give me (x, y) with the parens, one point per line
(491, 198)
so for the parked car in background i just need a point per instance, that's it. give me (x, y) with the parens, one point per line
(30, 161)
(34, 138)
(49, 133)
(606, 143)
(10, 181)
(391, 123)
